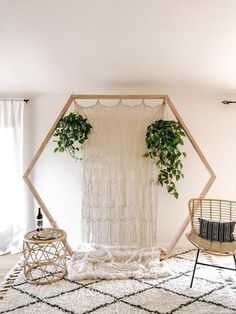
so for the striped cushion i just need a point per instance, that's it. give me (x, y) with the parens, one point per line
(216, 231)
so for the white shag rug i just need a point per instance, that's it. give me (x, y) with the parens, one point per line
(210, 294)
(227, 275)
(101, 262)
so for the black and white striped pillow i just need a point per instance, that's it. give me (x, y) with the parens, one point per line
(216, 231)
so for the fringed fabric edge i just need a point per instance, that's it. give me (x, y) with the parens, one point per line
(10, 278)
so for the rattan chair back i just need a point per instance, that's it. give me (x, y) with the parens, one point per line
(211, 209)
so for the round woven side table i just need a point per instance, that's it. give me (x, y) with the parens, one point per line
(44, 256)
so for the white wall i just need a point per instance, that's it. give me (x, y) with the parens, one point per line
(58, 177)
(55, 176)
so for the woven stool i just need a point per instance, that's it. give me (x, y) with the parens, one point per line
(44, 256)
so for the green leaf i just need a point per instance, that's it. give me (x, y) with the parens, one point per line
(170, 189)
(177, 177)
(176, 195)
(162, 140)
(71, 129)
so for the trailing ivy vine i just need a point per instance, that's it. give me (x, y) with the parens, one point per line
(162, 139)
(72, 131)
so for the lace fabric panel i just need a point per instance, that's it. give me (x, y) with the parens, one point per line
(120, 197)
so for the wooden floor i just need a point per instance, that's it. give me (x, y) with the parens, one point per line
(7, 261)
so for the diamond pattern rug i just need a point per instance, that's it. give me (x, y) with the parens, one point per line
(210, 293)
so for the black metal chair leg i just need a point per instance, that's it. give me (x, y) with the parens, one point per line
(234, 260)
(194, 268)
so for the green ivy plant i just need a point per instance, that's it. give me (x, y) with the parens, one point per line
(72, 130)
(163, 138)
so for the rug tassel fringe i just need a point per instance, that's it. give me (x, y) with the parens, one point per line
(10, 278)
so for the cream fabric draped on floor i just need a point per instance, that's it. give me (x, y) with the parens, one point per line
(120, 200)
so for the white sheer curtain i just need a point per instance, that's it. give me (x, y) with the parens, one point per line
(12, 216)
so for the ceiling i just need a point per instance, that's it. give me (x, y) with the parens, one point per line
(65, 46)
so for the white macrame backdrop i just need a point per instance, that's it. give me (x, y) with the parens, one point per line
(120, 200)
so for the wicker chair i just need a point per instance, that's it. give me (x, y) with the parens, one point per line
(214, 210)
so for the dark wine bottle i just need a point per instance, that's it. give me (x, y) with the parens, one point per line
(39, 220)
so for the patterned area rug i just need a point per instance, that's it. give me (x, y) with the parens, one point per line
(210, 293)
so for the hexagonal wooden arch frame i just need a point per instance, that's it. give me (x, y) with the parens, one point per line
(168, 102)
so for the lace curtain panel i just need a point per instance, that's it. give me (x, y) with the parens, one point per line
(120, 199)
(11, 184)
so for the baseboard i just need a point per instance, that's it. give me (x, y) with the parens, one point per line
(181, 245)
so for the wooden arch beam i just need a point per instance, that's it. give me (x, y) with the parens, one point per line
(208, 184)
(168, 102)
